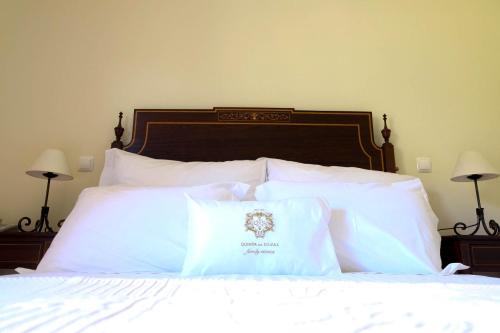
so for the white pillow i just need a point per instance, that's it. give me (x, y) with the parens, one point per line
(375, 227)
(124, 168)
(128, 229)
(300, 172)
(287, 237)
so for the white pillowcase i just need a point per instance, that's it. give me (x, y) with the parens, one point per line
(300, 172)
(124, 168)
(129, 229)
(375, 227)
(287, 237)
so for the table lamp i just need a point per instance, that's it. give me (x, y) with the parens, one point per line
(473, 167)
(51, 164)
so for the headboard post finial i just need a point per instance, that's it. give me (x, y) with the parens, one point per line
(118, 133)
(386, 132)
(388, 149)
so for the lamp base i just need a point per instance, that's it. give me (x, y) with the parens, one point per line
(41, 225)
(459, 227)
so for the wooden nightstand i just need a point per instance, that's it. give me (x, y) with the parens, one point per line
(7, 271)
(481, 253)
(23, 249)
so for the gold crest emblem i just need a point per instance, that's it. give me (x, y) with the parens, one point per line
(259, 221)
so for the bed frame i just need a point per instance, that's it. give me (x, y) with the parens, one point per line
(320, 137)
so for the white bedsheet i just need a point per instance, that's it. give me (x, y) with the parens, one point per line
(162, 302)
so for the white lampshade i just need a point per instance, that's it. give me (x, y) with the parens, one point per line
(51, 160)
(473, 163)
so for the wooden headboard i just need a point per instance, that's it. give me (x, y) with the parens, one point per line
(220, 134)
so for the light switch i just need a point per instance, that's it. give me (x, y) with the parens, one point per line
(86, 163)
(424, 164)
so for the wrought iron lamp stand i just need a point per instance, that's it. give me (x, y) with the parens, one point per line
(43, 223)
(460, 226)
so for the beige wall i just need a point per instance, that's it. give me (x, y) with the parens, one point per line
(67, 68)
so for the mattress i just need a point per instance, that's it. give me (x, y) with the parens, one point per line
(352, 302)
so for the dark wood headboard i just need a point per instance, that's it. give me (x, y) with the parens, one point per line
(320, 137)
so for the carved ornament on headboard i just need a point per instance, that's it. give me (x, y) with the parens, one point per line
(235, 115)
(118, 133)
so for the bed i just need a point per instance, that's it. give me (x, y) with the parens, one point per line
(137, 254)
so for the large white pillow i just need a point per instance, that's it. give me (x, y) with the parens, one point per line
(124, 168)
(386, 228)
(288, 237)
(129, 229)
(283, 170)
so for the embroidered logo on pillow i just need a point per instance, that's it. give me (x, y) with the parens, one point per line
(259, 221)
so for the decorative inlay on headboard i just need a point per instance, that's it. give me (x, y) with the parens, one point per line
(239, 115)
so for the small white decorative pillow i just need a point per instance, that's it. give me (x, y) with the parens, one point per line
(120, 229)
(124, 168)
(384, 228)
(288, 237)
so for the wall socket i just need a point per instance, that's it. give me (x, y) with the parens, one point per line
(86, 163)
(424, 164)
